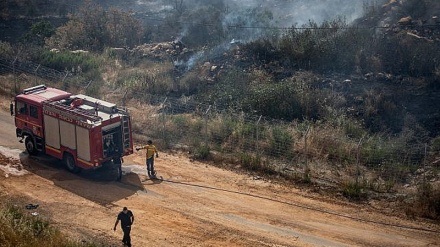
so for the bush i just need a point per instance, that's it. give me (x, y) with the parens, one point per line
(354, 191)
(154, 79)
(222, 129)
(6, 50)
(21, 229)
(427, 203)
(38, 33)
(66, 60)
(435, 146)
(276, 100)
(373, 152)
(250, 162)
(190, 83)
(281, 142)
(354, 130)
(202, 152)
(93, 28)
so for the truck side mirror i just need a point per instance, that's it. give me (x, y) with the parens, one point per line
(11, 108)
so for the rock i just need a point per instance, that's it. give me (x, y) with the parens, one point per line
(405, 20)
(79, 52)
(118, 51)
(390, 4)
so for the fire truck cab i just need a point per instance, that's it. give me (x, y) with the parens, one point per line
(84, 132)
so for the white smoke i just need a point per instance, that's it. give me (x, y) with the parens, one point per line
(287, 12)
(247, 20)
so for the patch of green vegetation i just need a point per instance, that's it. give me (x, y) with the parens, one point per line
(250, 162)
(19, 228)
(354, 191)
(38, 33)
(68, 61)
(436, 144)
(202, 152)
(281, 142)
(427, 202)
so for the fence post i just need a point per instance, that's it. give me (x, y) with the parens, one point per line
(206, 124)
(124, 98)
(424, 163)
(35, 74)
(162, 107)
(358, 171)
(64, 79)
(306, 151)
(258, 133)
(15, 75)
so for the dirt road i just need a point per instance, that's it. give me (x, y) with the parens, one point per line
(195, 205)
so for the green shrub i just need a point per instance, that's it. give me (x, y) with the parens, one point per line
(373, 152)
(6, 50)
(22, 229)
(339, 153)
(354, 191)
(427, 202)
(281, 142)
(276, 100)
(38, 33)
(222, 128)
(181, 122)
(202, 152)
(354, 130)
(250, 162)
(66, 60)
(190, 83)
(155, 80)
(435, 146)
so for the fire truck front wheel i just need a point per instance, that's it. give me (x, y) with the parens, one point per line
(69, 161)
(30, 146)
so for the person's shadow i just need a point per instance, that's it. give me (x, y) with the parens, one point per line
(152, 181)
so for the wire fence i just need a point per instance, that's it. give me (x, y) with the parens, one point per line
(22, 66)
(302, 150)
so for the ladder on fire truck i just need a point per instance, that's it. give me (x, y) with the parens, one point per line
(126, 131)
(80, 114)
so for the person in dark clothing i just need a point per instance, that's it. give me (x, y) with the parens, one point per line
(117, 161)
(126, 217)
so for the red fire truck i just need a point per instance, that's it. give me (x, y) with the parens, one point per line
(84, 132)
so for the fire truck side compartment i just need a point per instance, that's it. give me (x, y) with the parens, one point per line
(83, 141)
(53, 136)
(68, 135)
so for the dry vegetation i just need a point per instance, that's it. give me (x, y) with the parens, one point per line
(331, 98)
(19, 227)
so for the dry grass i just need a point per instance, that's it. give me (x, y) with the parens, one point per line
(145, 118)
(20, 228)
(426, 202)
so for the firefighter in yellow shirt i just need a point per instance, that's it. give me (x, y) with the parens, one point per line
(151, 150)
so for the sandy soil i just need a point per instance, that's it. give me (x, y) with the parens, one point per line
(194, 205)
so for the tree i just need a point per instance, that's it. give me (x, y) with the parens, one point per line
(39, 32)
(95, 28)
(124, 30)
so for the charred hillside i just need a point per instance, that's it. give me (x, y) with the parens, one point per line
(377, 62)
(344, 96)
(383, 66)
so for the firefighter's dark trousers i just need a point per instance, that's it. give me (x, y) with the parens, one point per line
(126, 239)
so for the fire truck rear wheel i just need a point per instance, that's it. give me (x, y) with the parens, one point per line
(69, 161)
(30, 146)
